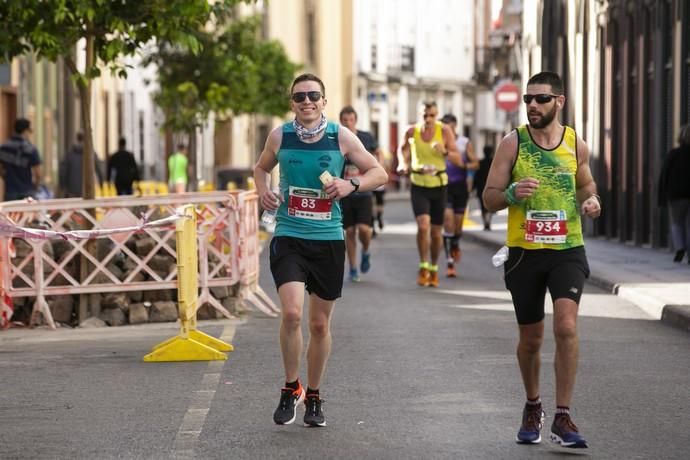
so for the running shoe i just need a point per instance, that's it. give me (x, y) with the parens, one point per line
(456, 254)
(286, 412)
(433, 278)
(423, 277)
(450, 271)
(565, 433)
(313, 416)
(365, 265)
(354, 276)
(532, 422)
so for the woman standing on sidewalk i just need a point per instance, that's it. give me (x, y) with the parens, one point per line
(674, 190)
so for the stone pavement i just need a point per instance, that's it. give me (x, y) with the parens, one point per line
(645, 277)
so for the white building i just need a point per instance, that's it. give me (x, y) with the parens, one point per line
(407, 52)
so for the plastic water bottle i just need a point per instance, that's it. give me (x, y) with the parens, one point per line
(269, 216)
(500, 257)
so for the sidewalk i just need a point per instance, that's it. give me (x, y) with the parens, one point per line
(648, 278)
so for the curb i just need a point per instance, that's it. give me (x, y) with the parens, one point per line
(677, 316)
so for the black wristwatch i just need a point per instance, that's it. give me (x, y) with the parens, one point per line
(355, 183)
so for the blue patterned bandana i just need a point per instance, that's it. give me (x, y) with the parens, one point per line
(307, 133)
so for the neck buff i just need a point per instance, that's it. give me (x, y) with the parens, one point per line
(307, 133)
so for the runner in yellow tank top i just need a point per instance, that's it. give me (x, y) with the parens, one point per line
(541, 174)
(424, 151)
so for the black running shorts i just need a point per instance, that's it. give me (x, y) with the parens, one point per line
(430, 201)
(457, 196)
(529, 272)
(318, 264)
(356, 210)
(379, 197)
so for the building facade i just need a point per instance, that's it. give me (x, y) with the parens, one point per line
(626, 68)
(408, 52)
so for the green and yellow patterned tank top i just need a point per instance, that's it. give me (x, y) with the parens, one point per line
(423, 154)
(550, 218)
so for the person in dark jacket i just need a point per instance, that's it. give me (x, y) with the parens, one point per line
(674, 191)
(20, 163)
(71, 169)
(122, 169)
(480, 182)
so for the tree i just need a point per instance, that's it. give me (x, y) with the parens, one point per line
(108, 29)
(233, 73)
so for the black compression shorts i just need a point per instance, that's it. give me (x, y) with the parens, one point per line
(457, 196)
(356, 210)
(430, 201)
(529, 272)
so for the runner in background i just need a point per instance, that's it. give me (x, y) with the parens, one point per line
(459, 187)
(357, 207)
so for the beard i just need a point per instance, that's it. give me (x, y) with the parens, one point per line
(545, 119)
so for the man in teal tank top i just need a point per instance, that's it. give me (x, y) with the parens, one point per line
(541, 174)
(308, 248)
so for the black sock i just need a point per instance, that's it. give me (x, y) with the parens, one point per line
(534, 402)
(311, 391)
(447, 245)
(455, 241)
(292, 385)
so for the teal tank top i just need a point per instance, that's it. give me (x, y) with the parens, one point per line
(306, 211)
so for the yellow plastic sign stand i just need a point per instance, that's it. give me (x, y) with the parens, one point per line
(190, 344)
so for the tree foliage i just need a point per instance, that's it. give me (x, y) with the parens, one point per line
(109, 29)
(233, 72)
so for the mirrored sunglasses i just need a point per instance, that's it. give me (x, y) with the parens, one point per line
(313, 96)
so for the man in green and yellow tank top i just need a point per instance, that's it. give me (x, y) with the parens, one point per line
(425, 148)
(308, 248)
(541, 174)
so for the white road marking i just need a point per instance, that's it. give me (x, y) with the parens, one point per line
(193, 421)
(591, 305)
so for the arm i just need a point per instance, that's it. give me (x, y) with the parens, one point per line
(372, 173)
(451, 149)
(472, 159)
(586, 187)
(405, 152)
(262, 170)
(500, 174)
(137, 178)
(35, 168)
(36, 175)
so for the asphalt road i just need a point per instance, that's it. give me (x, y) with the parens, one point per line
(416, 373)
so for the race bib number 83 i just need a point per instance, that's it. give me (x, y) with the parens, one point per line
(309, 203)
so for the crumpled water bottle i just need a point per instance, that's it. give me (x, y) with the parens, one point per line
(500, 257)
(269, 215)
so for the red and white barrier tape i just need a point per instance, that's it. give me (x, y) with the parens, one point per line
(9, 228)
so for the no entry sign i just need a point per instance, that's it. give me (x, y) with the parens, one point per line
(507, 96)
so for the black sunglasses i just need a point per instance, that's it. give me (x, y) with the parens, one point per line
(301, 96)
(540, 98)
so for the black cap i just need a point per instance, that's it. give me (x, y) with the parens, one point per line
(449, 118)
(21, 125)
